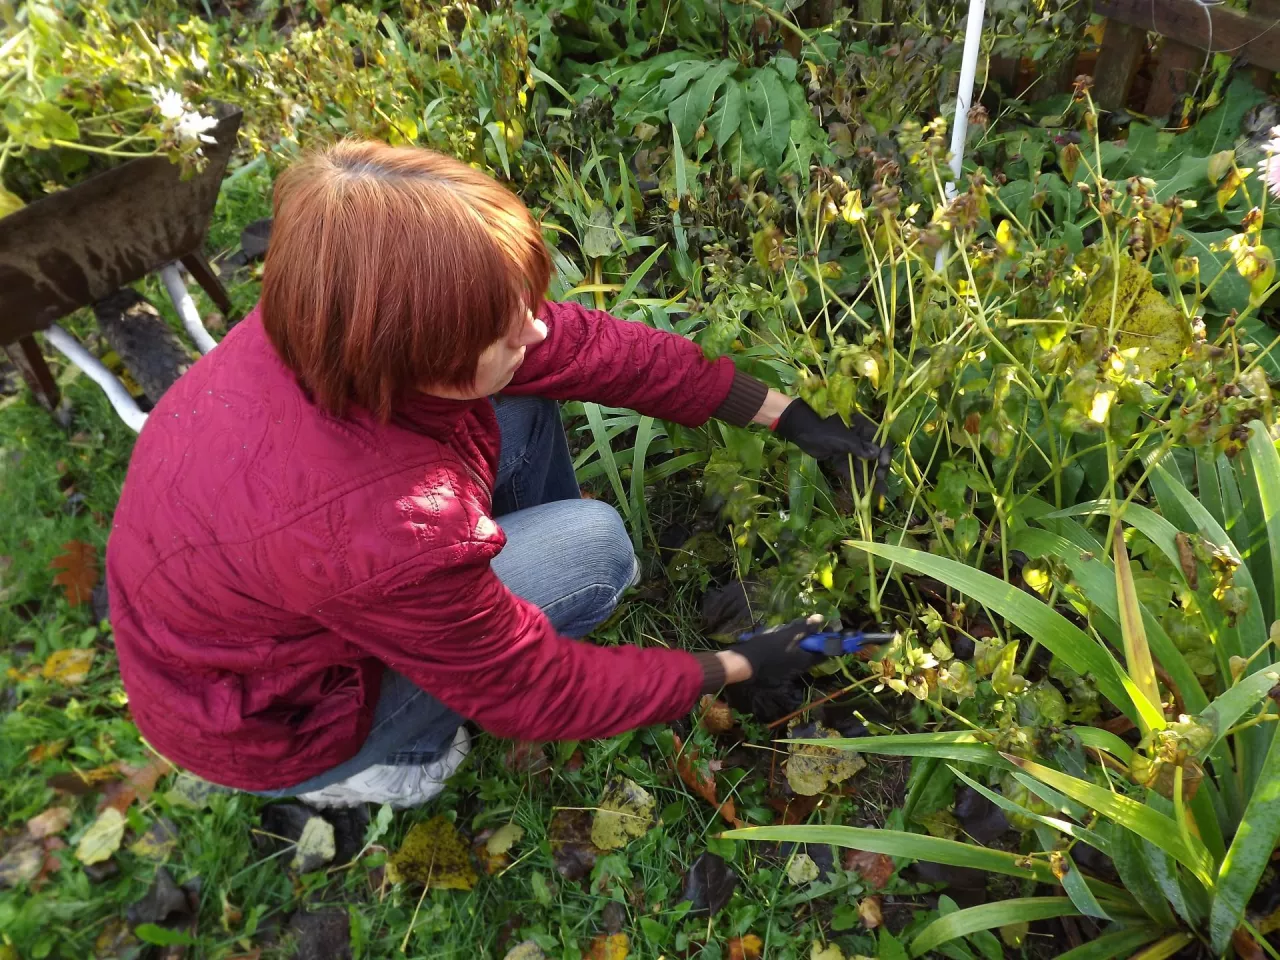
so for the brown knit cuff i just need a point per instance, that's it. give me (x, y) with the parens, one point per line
(746, 397)
(712, 671)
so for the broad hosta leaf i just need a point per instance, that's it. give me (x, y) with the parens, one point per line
(726, 120)
(689, 109)
(767, 98)
(1041, 622)
(1143, 319)
(989, 915)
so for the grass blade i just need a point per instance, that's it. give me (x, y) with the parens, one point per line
(988, 915)
(1230, 706)
(1119, 943)
(1249, 853)
(1137, 654)
(638, 515)
(1165, 948)
(1266, 474)
(958, 745)
(912, 846)
(1083, 834)
(637, 275)
(595, 420)
(1041, 622)
(1128, 813)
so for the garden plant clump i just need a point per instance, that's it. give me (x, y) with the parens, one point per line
(1066, 749)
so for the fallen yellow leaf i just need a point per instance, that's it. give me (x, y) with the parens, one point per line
(625, 813)
(103, 837)
(435, 855)
(68, 667)
(615, 946)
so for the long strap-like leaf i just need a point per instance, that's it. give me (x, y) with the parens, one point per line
(988, 915)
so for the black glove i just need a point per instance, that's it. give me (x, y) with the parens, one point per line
(775, 653)
(829, 438)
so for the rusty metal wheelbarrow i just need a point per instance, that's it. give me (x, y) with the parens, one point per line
(79, 247)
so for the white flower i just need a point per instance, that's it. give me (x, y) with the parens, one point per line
(191, 128)
(198, 63)
(169, 102)
(1271, 165)
(297, 112)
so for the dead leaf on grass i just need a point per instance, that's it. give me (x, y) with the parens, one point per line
(525, 951)
(190, 791)
(491, 847)
(625, 813)
(315, 847)
(139, 784)
(703, 786)
(829, 952)
(874, 868)
(709, 884)
(435, 855)
(812, 767)
(115, 940)
(527, 756)
(158, 841)
(79, 782)
(869, 912)
(103, 837)
(802, 870)
(45, 751)
(51, 821)
(571, 848)
(746, 947)
(614, 946)
(68, 667)
(77, 568)
(716, 715)
(21, 863)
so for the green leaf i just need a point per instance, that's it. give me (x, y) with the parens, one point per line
(596, 422)
(897, 843)
(1142, 319)
(988, 915)
(1266, 474)
(637, 275)
(1137, 654)
(500, 144)
(9, 202)
(638, 515)
(1094, 839)
(1249, 853)
(725, 121)
(163, 936)
(689, 109)
(1250, 631)
(959, 745)
(1165, 948)
(1128, 853)
(1041, 622)
(1128, 813)
(767, 98)
(1230, 706)
(1118, 943)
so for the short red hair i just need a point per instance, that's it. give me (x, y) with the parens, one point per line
(393, 268)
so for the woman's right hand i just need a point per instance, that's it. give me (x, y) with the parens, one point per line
(774, 653)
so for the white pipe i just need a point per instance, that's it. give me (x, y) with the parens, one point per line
(186, 308)
(964, 100)
(124, 405)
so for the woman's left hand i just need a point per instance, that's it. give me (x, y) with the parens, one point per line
(829, 438)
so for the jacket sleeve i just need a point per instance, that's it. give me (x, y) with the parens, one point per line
(590, 355)
(495, 658)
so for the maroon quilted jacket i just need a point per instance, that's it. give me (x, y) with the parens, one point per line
(267, 560)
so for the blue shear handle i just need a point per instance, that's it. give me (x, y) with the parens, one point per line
(833, 644)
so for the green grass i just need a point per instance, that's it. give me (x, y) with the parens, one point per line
(62, 485)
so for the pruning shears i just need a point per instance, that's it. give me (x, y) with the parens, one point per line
(836, 643)
(839, 643)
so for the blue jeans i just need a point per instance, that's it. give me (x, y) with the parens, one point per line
(570, 556)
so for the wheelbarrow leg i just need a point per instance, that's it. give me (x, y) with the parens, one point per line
(186, 308)
(26, 356)
(209, 281)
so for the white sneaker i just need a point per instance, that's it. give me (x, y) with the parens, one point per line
(402, 786)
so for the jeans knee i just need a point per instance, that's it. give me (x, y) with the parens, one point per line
(606, 547)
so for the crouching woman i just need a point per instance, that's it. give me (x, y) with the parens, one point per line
(355, 523)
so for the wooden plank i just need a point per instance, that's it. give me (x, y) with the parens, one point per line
(1122, 49)
(1270, 11)
(1178, 64)
(1254, 39)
